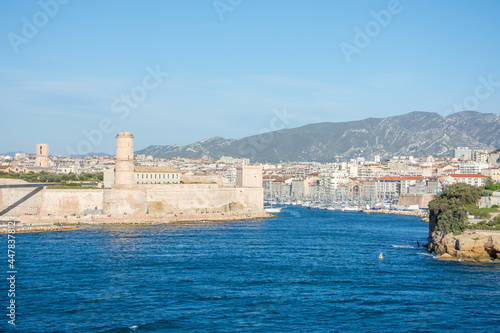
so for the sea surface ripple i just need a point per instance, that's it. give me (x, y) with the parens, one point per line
(304, 271)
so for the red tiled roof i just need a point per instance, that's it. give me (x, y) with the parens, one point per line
(466, 175)
(400, 178)
(155, 169)
(282, 179)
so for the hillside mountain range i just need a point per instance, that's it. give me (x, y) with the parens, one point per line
(416, 133)
(10, 153)
(13, 154)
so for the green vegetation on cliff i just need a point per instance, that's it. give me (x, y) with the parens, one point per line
(493, 187)
(450, 208)
(493, 224)
(44, 177)
(70, 186)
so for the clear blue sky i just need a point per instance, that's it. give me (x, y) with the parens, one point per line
(230, 69)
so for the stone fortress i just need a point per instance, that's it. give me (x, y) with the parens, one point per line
(128, 198)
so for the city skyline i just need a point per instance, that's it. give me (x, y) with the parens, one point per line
(215, 69)
(250, 165)
(412, 134)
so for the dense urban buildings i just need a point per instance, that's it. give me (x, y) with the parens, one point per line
(358, 179)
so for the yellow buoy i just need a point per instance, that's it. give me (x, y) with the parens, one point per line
(381, 256)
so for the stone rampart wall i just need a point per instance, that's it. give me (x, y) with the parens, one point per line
(66, 202)
(422, 200)
(136, 200)
(9, 196)
(487, 202)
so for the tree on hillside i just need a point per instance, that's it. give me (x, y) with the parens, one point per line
(451, 207)
(489, 181)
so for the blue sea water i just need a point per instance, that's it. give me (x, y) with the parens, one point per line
(304, 271)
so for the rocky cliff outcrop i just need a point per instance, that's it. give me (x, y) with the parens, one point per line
(471, 245)
(415, 133)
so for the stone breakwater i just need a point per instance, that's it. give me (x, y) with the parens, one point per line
(30, 223)
(471, 245)
(415, 213)
(41, 228)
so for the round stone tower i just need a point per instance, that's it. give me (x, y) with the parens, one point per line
(124, 159)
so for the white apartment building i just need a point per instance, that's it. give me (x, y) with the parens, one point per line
(471, 179)
(331, 180)
(480, 156)
(472, 168)
(463, 153)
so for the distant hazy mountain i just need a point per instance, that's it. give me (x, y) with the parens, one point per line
(13, 154)
(10, 153)
(92, 154)
(415, 133)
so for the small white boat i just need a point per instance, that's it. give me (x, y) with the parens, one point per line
(351, 209)
(273, 209)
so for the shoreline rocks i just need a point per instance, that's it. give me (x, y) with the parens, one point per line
(397, 212)
(471, 245)
(35, 228)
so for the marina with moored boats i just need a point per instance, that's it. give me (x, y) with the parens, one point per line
(275, 205)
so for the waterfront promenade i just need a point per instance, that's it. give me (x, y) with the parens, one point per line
(32, 223)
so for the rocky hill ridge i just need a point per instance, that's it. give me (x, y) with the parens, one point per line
(416, 133)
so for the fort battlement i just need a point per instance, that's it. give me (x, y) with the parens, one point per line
(128, 200)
